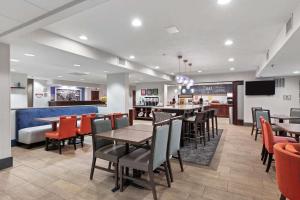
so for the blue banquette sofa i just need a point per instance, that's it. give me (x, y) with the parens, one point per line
(30, 131)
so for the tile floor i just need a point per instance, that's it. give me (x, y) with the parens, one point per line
(236, 173)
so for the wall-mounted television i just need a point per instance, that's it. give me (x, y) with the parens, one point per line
(260, 87)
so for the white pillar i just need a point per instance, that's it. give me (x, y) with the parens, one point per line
(118, 92)
(5, 141)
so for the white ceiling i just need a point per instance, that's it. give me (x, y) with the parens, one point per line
(50, 63)
(16, 12)
(287, 60)
(204, 25)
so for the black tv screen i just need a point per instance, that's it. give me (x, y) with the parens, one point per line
(260, 88)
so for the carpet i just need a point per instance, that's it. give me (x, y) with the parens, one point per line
(203, 154)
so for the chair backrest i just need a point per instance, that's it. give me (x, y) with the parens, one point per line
(268, 136)
(295, 112)
(264, 113)
(175, 135)
(99, 126)
(85, 124)
(67, 127)
(287, 171)
(122, 121)
(161, 132)
(253, 113)
(160, 116)
(200, 117)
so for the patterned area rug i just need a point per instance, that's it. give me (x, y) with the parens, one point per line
(203, 154)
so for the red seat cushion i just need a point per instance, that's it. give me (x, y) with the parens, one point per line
(280, 139)
(293, 149)
(52, 135)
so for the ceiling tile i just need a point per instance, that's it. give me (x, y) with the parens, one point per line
(6, 23)
(49, 4)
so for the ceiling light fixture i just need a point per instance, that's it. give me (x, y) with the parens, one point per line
(230, 59)
(29, 54)
(14, 60)
(172, 30)
(232, 69)
(199, 71)
(76, 65)
(223, 2)
(184, 80)
(59, 76)
(105, 71)
(296, 72)
(83, 37)
(156, 67)
(132, 57)
(136, 22)
(228, 42)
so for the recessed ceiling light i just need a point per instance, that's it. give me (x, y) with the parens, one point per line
(136, 22)
(230, 59)
(228, 42)
(59, 76)
(86, 73)
(14, 60)
(12, 70)
(172, 30)
(132, 57)
(83, 37)
(76, 65)
(172, 73)
(29, 54)
(199, 71)
(232, 69)
(105, 71)
(296, 72)
(223, 2)
(156, 67)
(82, 79)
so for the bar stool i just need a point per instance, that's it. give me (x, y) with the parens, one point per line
(211, 118)
(216, 120)
(196, 128)
(206, 119)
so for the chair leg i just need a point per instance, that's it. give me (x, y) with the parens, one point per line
(47, 144)
(170, 170)
(59, 144)
(117, 174)
(269, 162)
(121, 179)
(265, 157)
(213, 127)
(256, 133)
(74, 142)
(180, 160)
(109, 165)
(282, 197)
(217, 130)
(81, 140)
(167, 174)
(252, 129)
(208, 131)
(151, 176)
(263, 153)
(93, 168)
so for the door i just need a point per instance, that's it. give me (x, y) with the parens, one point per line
(95, 95)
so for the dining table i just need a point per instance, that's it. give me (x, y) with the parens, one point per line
(291, 128)
(54, 120)
(281, 118)
(137, 134)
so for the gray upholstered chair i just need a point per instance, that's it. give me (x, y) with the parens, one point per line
(253, 109)
(122, 121)
(174, 143)
(295, 112)
(160, 116)
(149, 160)
(105, 149)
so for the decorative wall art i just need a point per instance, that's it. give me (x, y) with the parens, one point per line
(68, 95)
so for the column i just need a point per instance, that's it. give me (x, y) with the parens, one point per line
(5, 141)
(118, 92)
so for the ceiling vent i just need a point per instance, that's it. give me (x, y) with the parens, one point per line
(289, 24)
(121, 61)
(79, 73)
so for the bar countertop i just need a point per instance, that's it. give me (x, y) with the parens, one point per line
(179, 107)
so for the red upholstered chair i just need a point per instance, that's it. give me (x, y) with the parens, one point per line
(288, 170)
(66, 130)
(270, 140)
(85, 126)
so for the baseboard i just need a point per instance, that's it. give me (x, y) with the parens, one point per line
(6, 163)
(13, 143)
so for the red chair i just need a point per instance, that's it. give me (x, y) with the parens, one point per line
(288, 170)
(85, 126)
(66, 130)
(270, 140)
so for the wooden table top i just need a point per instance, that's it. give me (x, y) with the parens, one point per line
(284, 117)
(179, 107)
(56, 119)
(126, 135)
(291, 128)
(141, 127)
